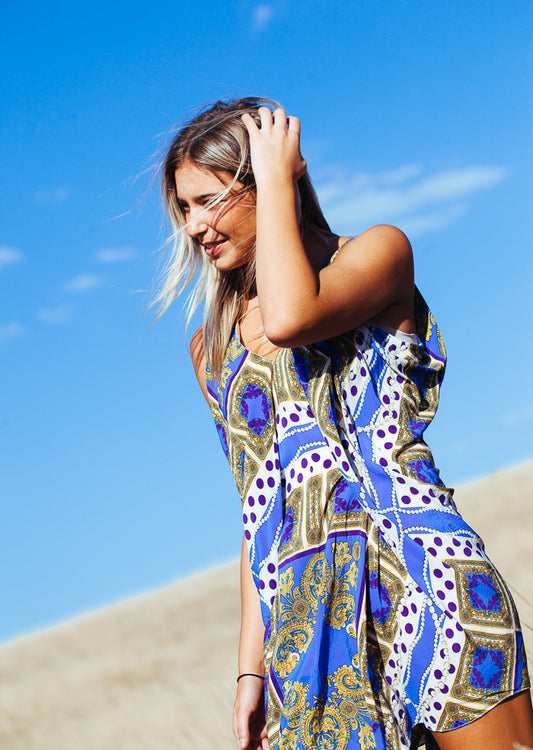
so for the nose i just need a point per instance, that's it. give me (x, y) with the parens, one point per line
(196, 222)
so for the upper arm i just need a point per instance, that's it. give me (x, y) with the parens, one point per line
(199, 361)
(372, 273)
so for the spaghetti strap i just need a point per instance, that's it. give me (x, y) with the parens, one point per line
(337, 251)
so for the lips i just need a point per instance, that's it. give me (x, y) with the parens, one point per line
(212, 249)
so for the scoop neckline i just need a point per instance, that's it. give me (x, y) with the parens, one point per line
(403, 336)
(237, 337)
(387, 330)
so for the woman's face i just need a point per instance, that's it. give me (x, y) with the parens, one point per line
(226, 231)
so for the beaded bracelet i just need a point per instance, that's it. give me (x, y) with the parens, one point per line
(250, 674)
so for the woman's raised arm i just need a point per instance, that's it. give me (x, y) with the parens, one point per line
(299, 304)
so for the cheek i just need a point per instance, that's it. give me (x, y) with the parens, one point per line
(248, 223)
(240, 221)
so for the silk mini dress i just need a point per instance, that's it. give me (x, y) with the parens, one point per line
(383, 615)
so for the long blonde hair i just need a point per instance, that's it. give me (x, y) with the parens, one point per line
(217, 141)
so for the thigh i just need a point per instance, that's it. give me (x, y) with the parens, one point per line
(505, 727)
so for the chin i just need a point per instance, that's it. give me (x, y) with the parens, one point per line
(226, 264)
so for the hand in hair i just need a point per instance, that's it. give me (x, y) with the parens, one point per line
(275, 147)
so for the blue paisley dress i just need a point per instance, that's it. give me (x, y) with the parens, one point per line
(383, 615)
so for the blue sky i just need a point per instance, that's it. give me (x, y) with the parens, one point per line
(414, 113)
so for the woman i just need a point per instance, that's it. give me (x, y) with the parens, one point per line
(371, 617)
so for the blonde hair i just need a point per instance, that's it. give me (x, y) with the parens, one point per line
(217, 141)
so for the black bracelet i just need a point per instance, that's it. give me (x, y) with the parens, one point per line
(250, 674)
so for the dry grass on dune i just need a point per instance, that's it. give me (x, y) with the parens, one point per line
(154, 673)
(158, 672)
(499, 508)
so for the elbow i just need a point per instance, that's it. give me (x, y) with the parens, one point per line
(292, 324)
(283, 331)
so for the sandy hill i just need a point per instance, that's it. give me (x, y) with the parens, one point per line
(158, 672)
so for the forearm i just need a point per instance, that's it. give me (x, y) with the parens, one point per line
(287, 284)
(252, 628)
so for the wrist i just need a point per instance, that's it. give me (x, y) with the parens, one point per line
(251, 675)
(274, 180)
(252, 664)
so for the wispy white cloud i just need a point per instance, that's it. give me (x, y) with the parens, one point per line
(84, 282)
(262, 14)
(514, 417)
(59, 314)
(52, 196)
(404, 196)
(115, 254)
(399, 175)
(9, 256)
(457, 183)
(414, 226)
(11, 331)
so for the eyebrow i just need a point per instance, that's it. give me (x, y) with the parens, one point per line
(203, 197)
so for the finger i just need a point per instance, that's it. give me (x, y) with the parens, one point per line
(294, 124)
(264, 739)
(265, 115)
(249, 122)
(241, 731)
(280, 118)
(234, 724)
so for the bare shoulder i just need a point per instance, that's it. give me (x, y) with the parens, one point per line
(199, 360)
(374, 274)
(382, 242)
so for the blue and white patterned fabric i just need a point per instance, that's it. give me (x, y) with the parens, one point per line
(383, 615)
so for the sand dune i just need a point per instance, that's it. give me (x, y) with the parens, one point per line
(157, 672)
